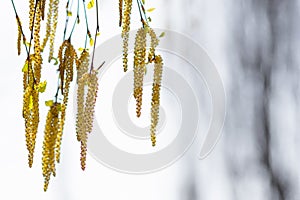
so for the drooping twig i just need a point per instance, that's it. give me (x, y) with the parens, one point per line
(96, 33)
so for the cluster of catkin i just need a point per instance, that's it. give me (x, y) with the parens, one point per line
(57, 113)
(67, 57)
(139, 69)
(87, 87)
(86, 101)
(141, 60)
(31, 78)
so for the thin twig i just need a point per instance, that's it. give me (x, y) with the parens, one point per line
(97, 30)
(76, 20)
(141, 5)
(142, 20)
(67, 20)
(87, 25)
(20, 25)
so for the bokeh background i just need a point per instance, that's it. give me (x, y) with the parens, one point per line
(255, 45)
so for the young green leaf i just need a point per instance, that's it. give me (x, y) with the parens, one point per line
(150, 9)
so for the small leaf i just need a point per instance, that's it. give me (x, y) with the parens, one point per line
(149, 19)
(83, 49)
(69, 13)
(55, 59)
(27, 44)
(91, 41)
(150, 9)
(49, 103)
(162, 34)
(42, 86)
(143, 1)
(91, 4)
(78, 20)
(25, 67)
(98, 34)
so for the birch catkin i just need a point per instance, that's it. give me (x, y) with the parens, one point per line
(48, 24)
(37, 46)
(53, 29)
(125, 32)
(158, 67)
(67, 59)
(85, 121)
(80, 124)
(31, 13)
(139, 68)
(82, 68)
(50, 137)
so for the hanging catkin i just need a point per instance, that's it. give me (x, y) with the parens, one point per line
(37, 46)
(85, 117)
(82, 68)
(67, 57)
(125, 32)
(50, 137)
(158, 67)
(48, 24)
(31, 13)
(139, 67)
(53, 29)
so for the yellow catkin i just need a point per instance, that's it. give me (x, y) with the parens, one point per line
(35, 62)
(66, 69)
(80, 126)
(48, 24)
(125, 32)
(62, 63)
(120, 12)
(88, 115)
(50, 136)
(91, 100)
(19, 36)
(30, 109)
(82, 68)
(27, 96)
(35, 118)
(37, 46)
(53, 29)
(31, 13)
(139, 67)
(158, 67)
(31, 117)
